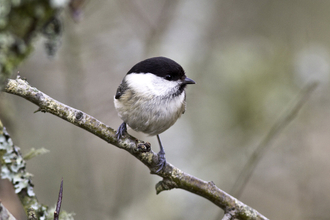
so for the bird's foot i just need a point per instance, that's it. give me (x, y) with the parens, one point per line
(161, 161)
(122, 130)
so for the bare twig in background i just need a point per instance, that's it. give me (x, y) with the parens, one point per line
(150, 29)
(265, 144)
(59, 202)
(172, 176)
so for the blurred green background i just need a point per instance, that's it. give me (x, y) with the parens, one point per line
(250, 60)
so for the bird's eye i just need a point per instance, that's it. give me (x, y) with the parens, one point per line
(168, 77)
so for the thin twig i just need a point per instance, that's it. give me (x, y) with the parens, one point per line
(59, 202)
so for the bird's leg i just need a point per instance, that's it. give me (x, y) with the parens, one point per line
(122, 130)
(161, 156)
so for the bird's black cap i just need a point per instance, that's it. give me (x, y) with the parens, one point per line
(160, 66)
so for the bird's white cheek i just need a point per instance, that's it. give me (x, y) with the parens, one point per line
(148, 84)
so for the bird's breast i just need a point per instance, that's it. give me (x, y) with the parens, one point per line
(151, 115)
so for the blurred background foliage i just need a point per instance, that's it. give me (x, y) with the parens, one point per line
(250, 59)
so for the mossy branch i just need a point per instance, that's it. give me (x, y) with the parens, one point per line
(20, 23)
(13, 168)
(172, 176)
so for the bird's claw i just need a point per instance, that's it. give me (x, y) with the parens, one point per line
(161, 161)
(122, 130)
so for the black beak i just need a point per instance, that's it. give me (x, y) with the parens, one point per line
(188, 81)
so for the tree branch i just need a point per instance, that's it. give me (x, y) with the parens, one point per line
(172, 176)
(5, 214)
(13, 168)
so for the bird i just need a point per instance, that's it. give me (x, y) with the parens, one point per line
(150, 99)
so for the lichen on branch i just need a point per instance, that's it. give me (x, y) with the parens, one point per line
(20, 23)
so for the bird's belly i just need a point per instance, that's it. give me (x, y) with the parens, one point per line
(151, 116)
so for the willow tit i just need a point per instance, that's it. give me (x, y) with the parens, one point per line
(151, 97)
